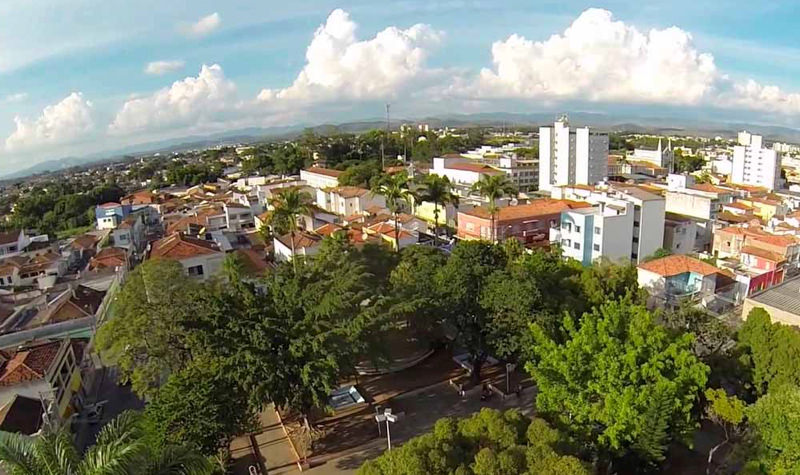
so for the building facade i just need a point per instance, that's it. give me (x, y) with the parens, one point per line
(568, 157)
(753, 164)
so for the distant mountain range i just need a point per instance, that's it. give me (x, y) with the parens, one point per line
(601, 121)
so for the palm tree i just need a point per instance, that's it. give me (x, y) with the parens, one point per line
(494, 187)
(438, 190)
(120, 449)
(287, 206)
(394, 189)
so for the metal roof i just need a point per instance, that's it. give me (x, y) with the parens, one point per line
(785, 296)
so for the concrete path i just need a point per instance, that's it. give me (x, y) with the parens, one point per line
(267, 449)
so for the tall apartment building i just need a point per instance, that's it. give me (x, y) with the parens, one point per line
(625, 223)
(753, 164)
(571, 156)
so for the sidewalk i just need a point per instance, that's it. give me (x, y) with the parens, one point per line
(269, 448)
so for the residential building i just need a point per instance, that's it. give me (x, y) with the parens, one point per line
(529, 223)
(198, 257)
(41, 270)
(462, 172)
(346, 201)
(701, 202)
(301, 244)
(680, 234)
(569, 157)
(625, 223)
(110, 215)
(674, 279)
(130, 234)
(16, 242)
(109, 258)
(754, 164)
(319, 178)
(729, 242)
(238, 217)
(45, 371)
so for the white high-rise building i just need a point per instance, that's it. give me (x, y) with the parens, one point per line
(755, 165)
(571, 157)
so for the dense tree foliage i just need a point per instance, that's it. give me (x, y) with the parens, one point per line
(487, 443)
(773, 351)
(620, 384)
(148, 336)
(57, 207)
(121, 447)
(200, 406)
(775, 419)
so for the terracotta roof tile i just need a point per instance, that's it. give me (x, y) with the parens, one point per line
(678, 264)
(29, 364)
(764, 254)
(324, 171)
(178, 247)
(542, 207)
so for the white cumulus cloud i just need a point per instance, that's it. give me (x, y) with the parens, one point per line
(599, 59)
(187, 102)
(157, 68)
(59, 123)
(203, 26)
(339, 66)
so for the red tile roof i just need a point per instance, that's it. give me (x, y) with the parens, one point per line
(110, 204)
(678, 264)
(349, 191)
(30, 364)
(473, 167)
(324, 171)
(9, 237)
(542, 207)
(302, 239)
(178, 247)
(764, 254)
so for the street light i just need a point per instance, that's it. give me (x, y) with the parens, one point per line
(388, 417)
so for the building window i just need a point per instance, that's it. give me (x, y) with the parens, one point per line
(577, 228)
(634, 255)
(636, 223)
(596, 230)
(577, 245)
(635, 240)
(470, 227)
(596, 247)
(565, 242)
(195, 270)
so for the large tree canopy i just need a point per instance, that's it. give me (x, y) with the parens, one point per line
(620, 383)
(773, 350)
(487, 443)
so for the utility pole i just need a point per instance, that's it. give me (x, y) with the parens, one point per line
(385, 138)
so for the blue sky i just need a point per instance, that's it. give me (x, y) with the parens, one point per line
(73, 73)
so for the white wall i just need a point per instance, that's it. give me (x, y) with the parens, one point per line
(616, 234)
(651, 228)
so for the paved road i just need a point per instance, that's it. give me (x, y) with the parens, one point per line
(422, 410)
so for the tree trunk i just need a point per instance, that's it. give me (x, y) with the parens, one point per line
(435, 223)
(477, 365)
(711, 454)
(396, 232)
(492, 232)
(294, 257)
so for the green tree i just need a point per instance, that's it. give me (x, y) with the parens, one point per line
(120, 448)
(727, 412)
(772, 350)
(201, 407)
(362, 174)
(394, 189)
(287, 207)
(620, 383)
(148, 336)
(461, 281)
(775, 419)
(494, 187)
(437, 190)
(295, 338)
(413, 286)
(489, 442)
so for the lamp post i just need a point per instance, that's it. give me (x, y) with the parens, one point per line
(509, 367)
(388, 417)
